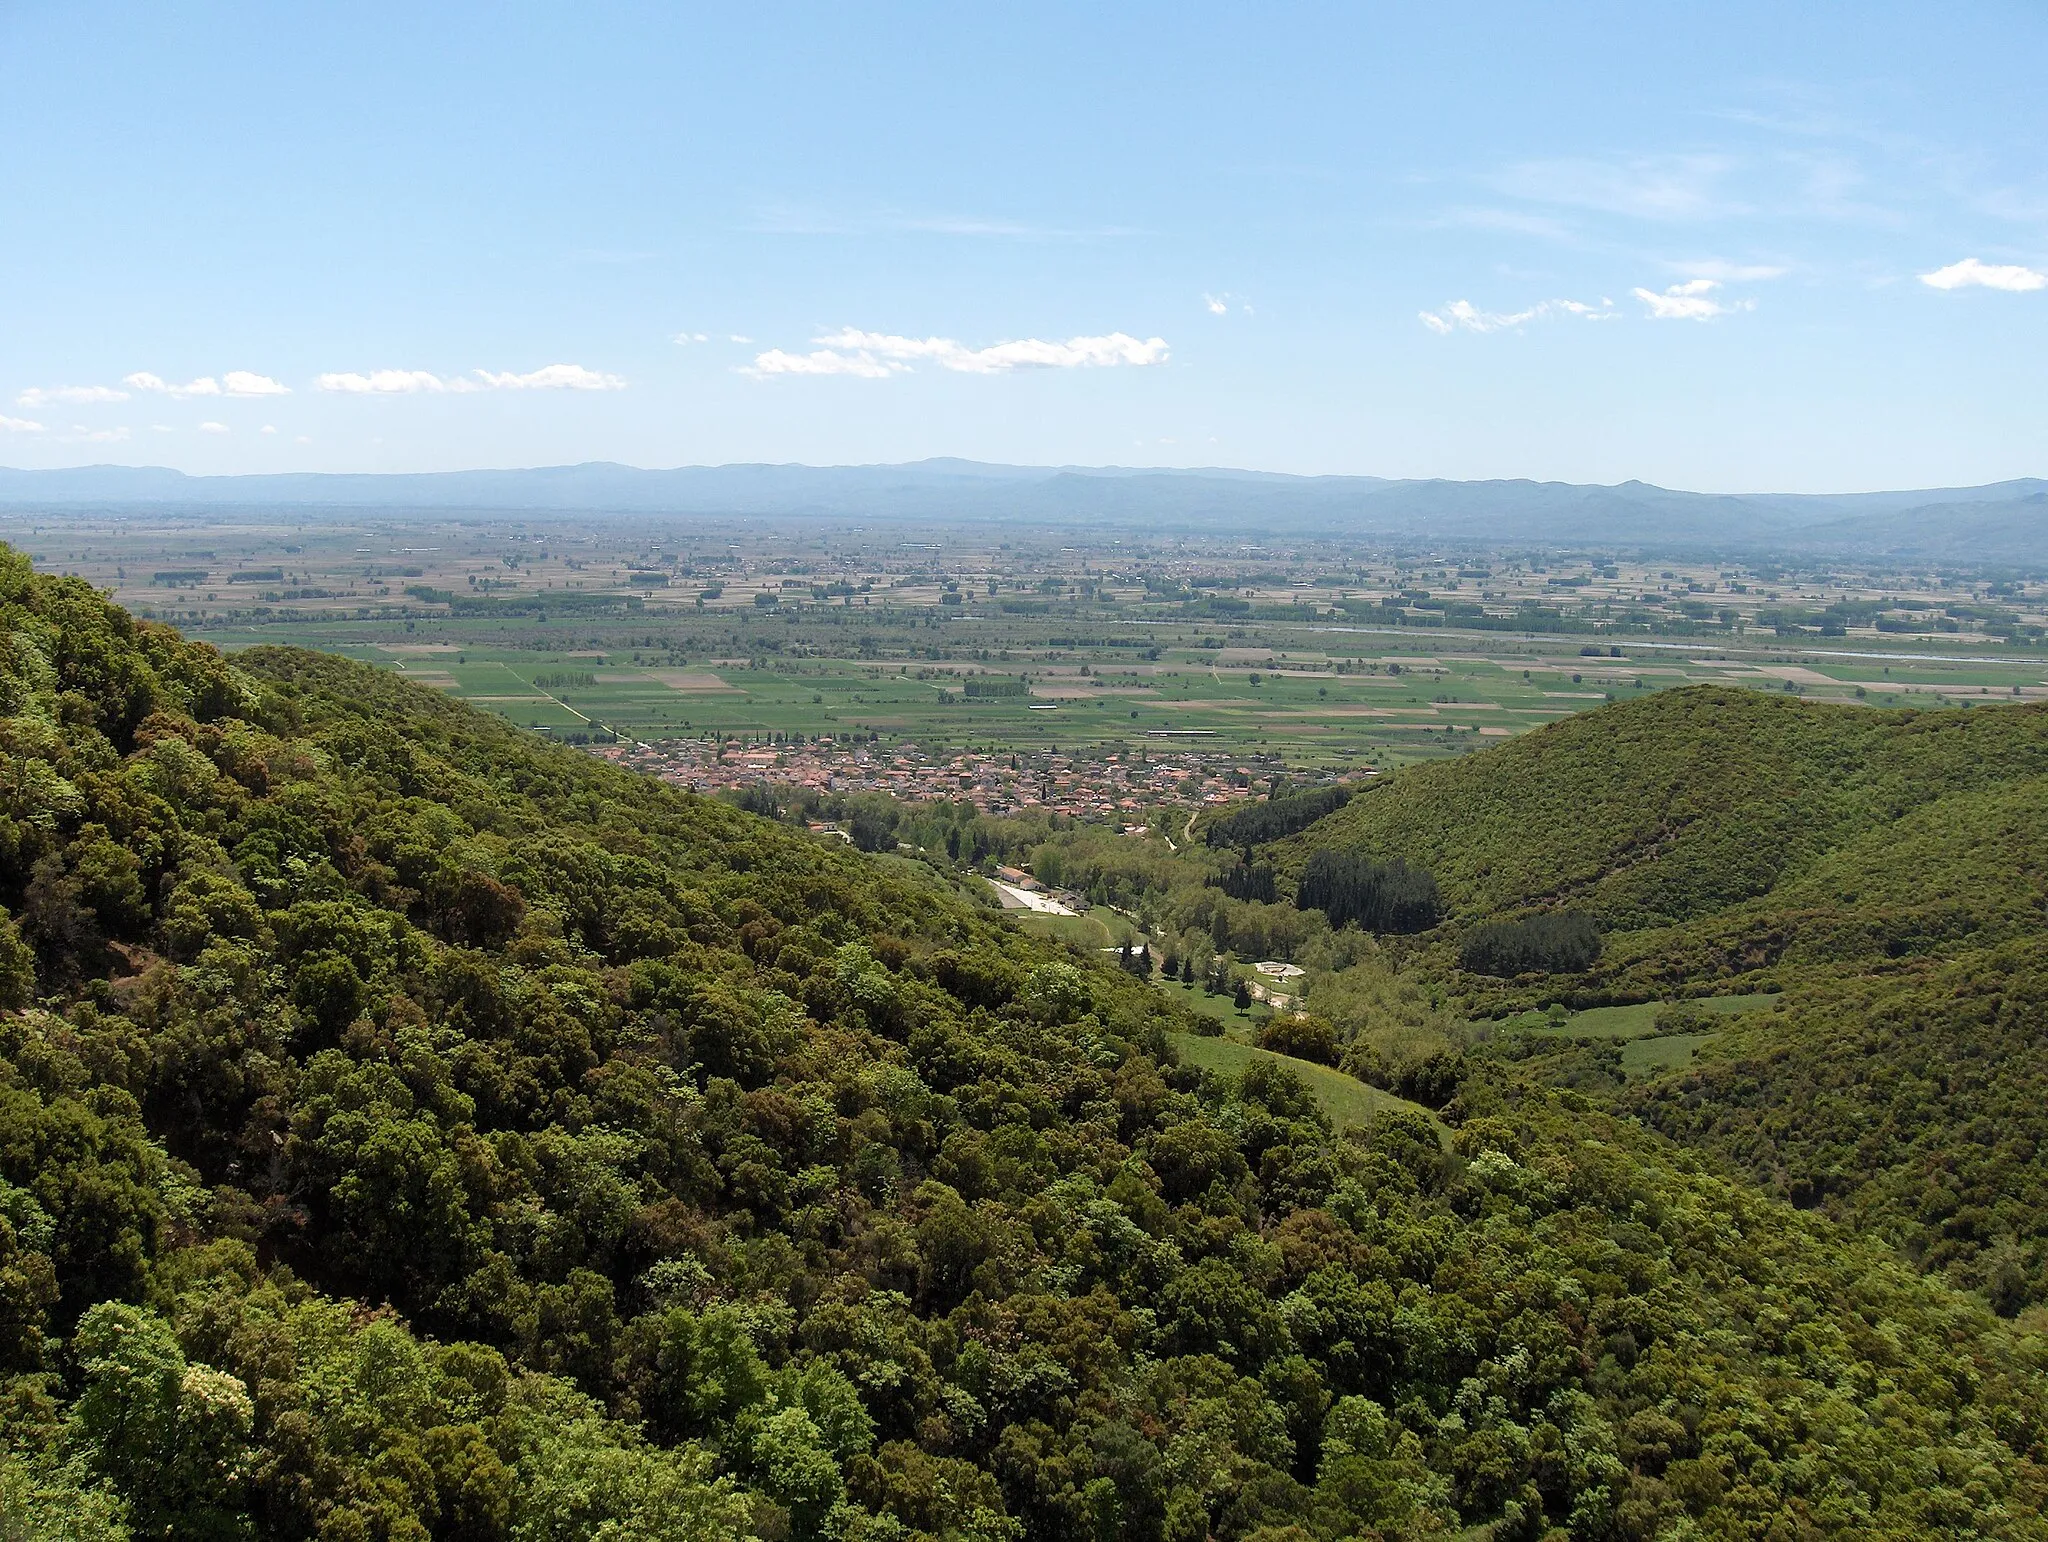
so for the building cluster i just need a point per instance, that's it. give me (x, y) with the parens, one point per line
(1110, 787)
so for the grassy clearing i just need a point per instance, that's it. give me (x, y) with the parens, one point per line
(1350, 1104)
(1241, 1022)
(1595, 1023)
(1647, 1057)
(1097, 928)
(1643, 1052)
(1632, 1022)
(1734, 1006)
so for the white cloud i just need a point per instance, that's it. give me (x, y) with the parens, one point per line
(876, 354)
(143, 380)
(80, 434)
(416, 382)
(213, 428)
(1463, 313)
(555, 377)
(390, 382)
(1972, 274)
(240, 382)
(72, 396)
(739, 339)
(18, 425)
(1218, 305)
(269, 428)
(684, 339)
(1464, 316)
(823, 362)
(1690, 301)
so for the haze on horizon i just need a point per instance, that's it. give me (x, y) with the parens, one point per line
(1760, 251)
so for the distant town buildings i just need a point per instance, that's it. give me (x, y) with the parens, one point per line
(1108, 788)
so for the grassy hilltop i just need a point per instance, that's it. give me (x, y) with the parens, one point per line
(412, 1130)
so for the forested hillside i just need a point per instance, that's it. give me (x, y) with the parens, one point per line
(1677, 805)
(410, 1130)
(1720, 840)
(1912, 1104)
(1887, 872)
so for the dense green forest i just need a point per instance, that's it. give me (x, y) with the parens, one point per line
(412, 1130)
(1912, 1104)
(1655, 811)
(1886, 871)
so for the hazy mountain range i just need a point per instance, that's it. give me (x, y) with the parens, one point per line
(2005, 522)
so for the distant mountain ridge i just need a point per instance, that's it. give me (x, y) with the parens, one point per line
(2000, 522)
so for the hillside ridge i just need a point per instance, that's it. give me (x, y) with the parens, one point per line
(1656, 810)
(1995, 523)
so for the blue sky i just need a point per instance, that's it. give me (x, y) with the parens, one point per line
(1687, 244)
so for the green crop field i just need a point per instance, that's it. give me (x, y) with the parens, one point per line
(1376, 702)
(1430, 709)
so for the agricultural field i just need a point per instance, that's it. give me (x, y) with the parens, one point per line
(1316, 706)
(1323, 657)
